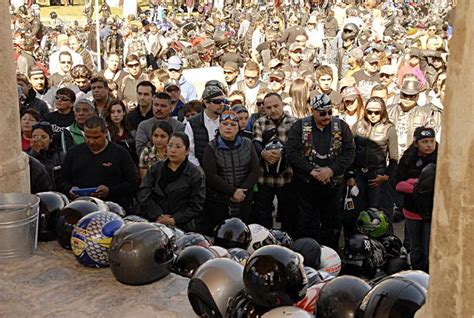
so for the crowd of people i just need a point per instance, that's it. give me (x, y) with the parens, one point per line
(321, 111)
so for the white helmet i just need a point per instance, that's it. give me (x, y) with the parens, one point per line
(287, 311)
(261, 236)
(330, 261)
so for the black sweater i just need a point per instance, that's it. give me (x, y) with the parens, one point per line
(113, 167)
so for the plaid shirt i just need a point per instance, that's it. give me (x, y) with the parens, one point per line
(262, 125)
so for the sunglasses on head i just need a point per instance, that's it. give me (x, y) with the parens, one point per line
(373, 112)
(324, 113)
(62, 98)
(229, 117)
(218, 101)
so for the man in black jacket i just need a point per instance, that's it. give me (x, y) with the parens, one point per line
(320, 148)
(102, 164)
(31, 101)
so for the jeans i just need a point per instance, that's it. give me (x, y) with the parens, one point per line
(263, 207)
(319, 213)
(419, 237)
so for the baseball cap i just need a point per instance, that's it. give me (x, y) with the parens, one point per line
(274, 63)
(172, 83)
(231, 66)
(174, 63)
(277, 74)
(372, 58)
(239, 108)
(357, 54)
(35, 70)
(295, 46)
(423, 133)
(350, 93)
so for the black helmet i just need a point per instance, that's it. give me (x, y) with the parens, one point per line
(350, 31)
(239, 255)
(191, 239)
(392, 245)
(394, 297)
(282, 238)
(420, 277)
(274, 276)
(189, 260)
(310, 249)
(241, 306)
(101, 206)
(134, 219)
(358, 257)
(340, 297)
(140, 254)
(115, 208)
(395, 265)
(232, 233)
(68, 217)
(213, 284)
(50, 205)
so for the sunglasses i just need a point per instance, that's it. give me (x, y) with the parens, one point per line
(235, 102)
(385, 75)
(373, 112)
(324, 113)
(65, 62)
(173, 89)
(251, 77)
(133, 65)
(62, 98)
(230, 117)
(219, 101)
(259, 104)
(42, 124)
(408, 96)
(274, 79)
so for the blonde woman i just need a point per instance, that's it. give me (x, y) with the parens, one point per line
(299, 93)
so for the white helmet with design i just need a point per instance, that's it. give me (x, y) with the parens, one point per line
(261, 236)
(330, 261)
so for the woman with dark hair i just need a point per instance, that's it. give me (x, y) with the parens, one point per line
(43, 148)
(28, 119)
(120, 130)
(160, 136)
(376, 140)
(420, 154)
(232, 168)
(173, 191)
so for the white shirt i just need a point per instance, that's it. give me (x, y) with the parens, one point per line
(211, 126)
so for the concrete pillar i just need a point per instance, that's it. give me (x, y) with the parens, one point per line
(14, 171)
(450, 292)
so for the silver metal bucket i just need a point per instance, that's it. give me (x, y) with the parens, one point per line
(18, 225)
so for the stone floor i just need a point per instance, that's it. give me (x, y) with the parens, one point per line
(53, 284)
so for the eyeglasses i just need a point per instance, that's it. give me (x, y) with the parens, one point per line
(230, 117)
(219, 101)
(324, 113)
(173, 89)
(62, 98)
(133, 65)
(373, 112)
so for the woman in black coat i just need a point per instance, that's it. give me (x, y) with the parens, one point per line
(173, 191)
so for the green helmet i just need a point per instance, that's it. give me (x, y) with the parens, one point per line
(372, 222)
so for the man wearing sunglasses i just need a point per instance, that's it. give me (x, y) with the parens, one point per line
(173, 89)
(407, 115)
(128, 85)
(202, 128)
(63, 116)
(319, 149)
